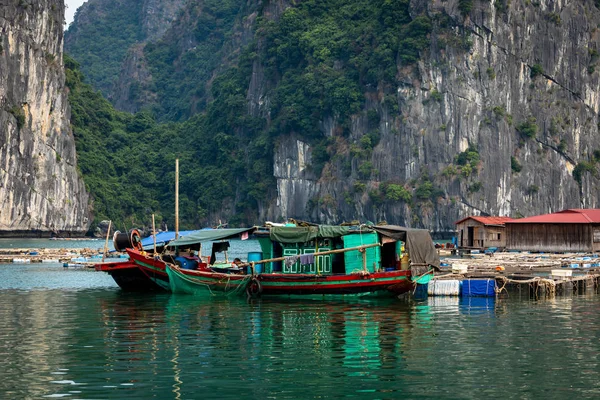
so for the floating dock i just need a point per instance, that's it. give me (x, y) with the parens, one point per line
(84, 256)
(523, 274)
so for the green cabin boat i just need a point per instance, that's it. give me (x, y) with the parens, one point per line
(321, 259)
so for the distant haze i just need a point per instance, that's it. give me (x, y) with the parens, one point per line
(72, 6)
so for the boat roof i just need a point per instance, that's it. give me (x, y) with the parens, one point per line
(303, 234)
(418, 241)
(162, 238)
(209, 235)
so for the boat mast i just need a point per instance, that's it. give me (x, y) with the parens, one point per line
(154, 233)
(106, 243)
(177, 199)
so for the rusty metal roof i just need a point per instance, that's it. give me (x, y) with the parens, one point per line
(487, 220)
(571, 216)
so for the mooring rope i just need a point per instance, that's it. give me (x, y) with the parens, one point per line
(548, 284)
(241, 287)
(187, 279)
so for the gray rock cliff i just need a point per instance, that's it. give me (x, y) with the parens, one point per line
(176, 26)
(518, 83)
(499, 116)
(124, 70)
(128, 93)
(40, 189)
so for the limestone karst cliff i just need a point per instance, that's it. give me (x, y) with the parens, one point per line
(116, 32)
(40, 188)
(486, 106)
(518, 83)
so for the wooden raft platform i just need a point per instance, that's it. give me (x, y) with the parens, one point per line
(528, 274)
(86, 256)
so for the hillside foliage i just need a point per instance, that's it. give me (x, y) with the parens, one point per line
(100, 47)
(128, 161)
(320, 57)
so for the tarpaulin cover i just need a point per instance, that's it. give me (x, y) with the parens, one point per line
(162, 238)
(479, 287)
(208, 236)
(419, 244)
(303, 234)
(445, 287)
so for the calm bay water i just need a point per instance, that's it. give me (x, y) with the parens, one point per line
(73, 334)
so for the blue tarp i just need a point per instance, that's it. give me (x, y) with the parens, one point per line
(479, 287)
(162, 238)
(210, 235)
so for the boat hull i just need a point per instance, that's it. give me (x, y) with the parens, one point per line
(393, 283)
(129, 276)
(178, 280)
(154, 270)
(205, 283)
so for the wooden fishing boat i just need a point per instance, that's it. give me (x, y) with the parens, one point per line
(318, 260)
(203, 282)
(129, 276)
(154, 267)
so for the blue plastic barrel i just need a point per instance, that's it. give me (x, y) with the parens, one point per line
(256, 256)
(186, 263)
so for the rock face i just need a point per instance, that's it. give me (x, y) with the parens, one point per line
(499, 116)
(124, 71)
(128, 93)
(40, 189)
(518, 83)
(158, 16)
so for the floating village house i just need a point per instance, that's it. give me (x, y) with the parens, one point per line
(574, 230)
(479, 233)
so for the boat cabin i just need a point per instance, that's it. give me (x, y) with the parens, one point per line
(186, 251)
(297, 245)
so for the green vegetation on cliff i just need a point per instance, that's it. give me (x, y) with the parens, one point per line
(128, 161)
(181, 67)
(320, 59)
(326, 55)
(101, 46)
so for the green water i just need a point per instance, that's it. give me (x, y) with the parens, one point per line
(73, 334)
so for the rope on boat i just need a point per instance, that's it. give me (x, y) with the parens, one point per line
(185, 278)
(416, 281)
(241, 287)
(243, 284)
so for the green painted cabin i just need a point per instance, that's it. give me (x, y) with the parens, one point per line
(378, 258)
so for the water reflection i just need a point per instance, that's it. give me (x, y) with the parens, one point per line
(108, 344)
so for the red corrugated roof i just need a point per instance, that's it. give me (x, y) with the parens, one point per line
(487, 220)
(571, 216)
